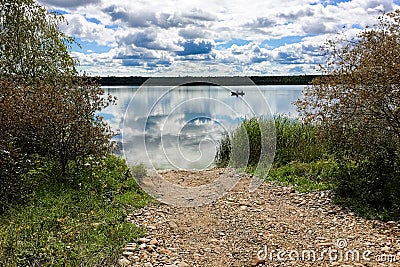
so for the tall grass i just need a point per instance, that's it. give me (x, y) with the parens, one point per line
(252, 143)
(295, 141)
(300, 158)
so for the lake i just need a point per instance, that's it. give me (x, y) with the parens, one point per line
(179, 127)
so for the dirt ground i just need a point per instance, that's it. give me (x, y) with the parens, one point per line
(272, 226)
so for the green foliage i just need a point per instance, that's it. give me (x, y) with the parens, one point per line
(32, 47)
(252, 143)
(296, 141)
(370, 187)
(305, 177)
(46, 108)
(223, 151)
(80, 223)
(356, 104)
(358, 100)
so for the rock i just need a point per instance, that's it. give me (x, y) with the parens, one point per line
(127, 253)
(148, 264)
(173, 225)
(183, 264)
(130, 248)
(123, 262)
(164, 251)
(144, 240)
(324, 244)
(302, 203)
(153, 242)
(256, 261)
(222, 234)
(151, 248)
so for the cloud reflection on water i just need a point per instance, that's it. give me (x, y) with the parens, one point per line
(170, 128)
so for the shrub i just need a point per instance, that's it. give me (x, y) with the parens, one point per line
(46, 108)
(357, 104)
(370, 187)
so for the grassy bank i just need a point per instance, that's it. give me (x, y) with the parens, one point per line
(80, 222)
(300, 159)
(303, 160)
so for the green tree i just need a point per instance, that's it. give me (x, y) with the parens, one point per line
(357, 105)
(358, 101)
(32, 46)
(47, 109)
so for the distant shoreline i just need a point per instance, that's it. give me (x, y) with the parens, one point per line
(194, 81)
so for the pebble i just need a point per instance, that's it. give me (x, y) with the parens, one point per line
(123, 262)
(256, 262)
(144, 240)
(230, 231)
(127, 253)
(153, 242)
(164, 251)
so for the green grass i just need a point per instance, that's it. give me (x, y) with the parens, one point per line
(297, 141)
(305, 177)
(78, 223)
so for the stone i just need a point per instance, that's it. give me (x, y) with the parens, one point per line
(173, 225)
(123, 262)
(324, 244)
(144, 240)
(130, 248)
(164, 251)
(151, 248)
(153, 242)
(256, 261)
(127, 253)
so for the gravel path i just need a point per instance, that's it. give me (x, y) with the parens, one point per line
(272, 226)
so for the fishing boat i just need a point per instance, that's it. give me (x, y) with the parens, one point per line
(237, 93)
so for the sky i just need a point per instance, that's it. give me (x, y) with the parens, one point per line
(208, 37)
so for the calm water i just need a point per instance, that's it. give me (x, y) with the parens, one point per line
(179, 127)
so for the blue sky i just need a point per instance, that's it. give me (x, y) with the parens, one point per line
(226, 37)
